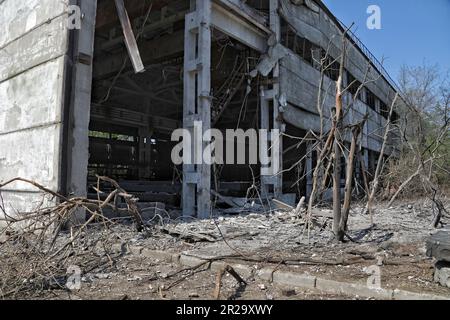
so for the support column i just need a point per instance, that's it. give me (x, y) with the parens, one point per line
(197, 108)
(75, 155)
(275, 26)
(273, 95)
(264, 124)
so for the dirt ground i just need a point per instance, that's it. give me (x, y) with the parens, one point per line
(396, 243)
(141, 279)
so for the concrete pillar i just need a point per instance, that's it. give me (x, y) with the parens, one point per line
(275, 26)
(273, 96)
(197, 107)
(78, 115)
(264, 124)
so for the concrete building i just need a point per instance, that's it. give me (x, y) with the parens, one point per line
(72, 106)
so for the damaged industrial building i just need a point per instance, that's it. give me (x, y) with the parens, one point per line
(103, 99)
(218, 149)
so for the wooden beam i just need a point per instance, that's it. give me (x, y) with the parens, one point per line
(130, 40)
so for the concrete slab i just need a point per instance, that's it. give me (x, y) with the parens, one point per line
(408, 295)
(352, 289)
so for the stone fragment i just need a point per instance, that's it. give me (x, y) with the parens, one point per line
(442, 273)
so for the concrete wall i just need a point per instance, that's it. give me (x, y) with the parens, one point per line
(33, 47)
(300, 81)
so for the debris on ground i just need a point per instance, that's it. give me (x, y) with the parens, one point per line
(40, 255)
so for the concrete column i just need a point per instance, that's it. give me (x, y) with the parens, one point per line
(78, 116)
(197, 107)
(204, 102)
(189, 78)
(273, 95)
(264, 124)
(275, 26)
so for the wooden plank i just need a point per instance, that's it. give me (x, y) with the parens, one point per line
(130, 40)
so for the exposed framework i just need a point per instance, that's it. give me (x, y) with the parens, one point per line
(182, 45)
(197, 106)
(197, 69)
(270, 97)
(245, 24)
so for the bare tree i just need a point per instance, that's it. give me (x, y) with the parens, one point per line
(425, 133)
(330, 148)
(376, 179)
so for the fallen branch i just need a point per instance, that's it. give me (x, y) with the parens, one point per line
(37, 248)
(219, 276)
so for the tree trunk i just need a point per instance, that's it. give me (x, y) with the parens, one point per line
(348, 185)
(336, 188)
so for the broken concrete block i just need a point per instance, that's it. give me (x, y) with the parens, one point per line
(294, 279)
(361, 290)
(408, 295)
(268, 61)
(190, 261)
(442, 273)
(438, 245)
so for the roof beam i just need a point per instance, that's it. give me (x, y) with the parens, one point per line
(239, 28)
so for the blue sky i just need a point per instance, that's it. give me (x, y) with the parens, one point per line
(412, 31)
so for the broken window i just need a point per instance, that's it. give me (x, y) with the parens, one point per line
(332, 68)
(370, 99)
(384, 110)
(353, 84)
(310, 52)
(395, 117)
